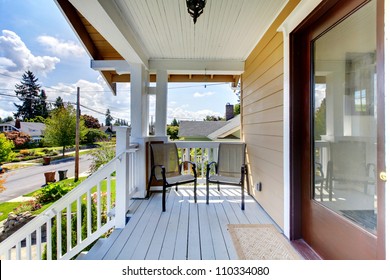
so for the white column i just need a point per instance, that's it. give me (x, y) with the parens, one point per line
(161, 102)
(139, 123)
(139, 101)
(122, 176)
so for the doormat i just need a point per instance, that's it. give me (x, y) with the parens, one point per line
(261, 242)
(364, 218)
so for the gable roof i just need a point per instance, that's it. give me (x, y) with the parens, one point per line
(31, 128)
(199, 128)
(231, 126)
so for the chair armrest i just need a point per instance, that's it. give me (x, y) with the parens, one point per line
(162, 171)
(208, 168)
(319, 168)
(193, 164)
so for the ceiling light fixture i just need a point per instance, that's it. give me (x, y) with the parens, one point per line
(195, 8)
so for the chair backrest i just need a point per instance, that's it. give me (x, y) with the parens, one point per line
(348, 158)
(231, 157)
(165, 154)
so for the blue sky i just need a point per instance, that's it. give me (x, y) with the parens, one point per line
(35, 36)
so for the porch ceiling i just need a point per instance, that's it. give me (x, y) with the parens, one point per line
(154, 32)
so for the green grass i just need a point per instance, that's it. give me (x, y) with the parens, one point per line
(7, 207)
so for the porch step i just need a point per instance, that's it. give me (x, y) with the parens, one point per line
(98, 251)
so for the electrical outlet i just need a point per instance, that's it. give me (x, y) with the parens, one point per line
(258, 186)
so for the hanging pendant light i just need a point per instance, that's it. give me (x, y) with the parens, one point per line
(195, 8)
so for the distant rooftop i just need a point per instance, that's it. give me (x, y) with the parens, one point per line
(199, 128)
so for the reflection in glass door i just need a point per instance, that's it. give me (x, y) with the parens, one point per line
(344, 122)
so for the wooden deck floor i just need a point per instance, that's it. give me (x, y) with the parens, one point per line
(186, 231)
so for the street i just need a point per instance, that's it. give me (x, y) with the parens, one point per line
(25, 180)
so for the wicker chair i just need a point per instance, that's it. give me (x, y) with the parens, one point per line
(230, 169)
(166, 168)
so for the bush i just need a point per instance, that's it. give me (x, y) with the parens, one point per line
(52, 192)
(25, 152)
(101, 157)
(27, 206)
(94, 135)
(6, 147)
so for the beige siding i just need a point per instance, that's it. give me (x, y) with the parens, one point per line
(262, 117)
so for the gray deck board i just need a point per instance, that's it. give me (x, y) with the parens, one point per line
(187, 230)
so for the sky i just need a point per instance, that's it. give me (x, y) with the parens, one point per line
(35, 36)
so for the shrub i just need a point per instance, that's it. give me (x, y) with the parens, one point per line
(20, 139)
(27, 206)
(52, 192)
(6, 147)
(25, 152)
(101, 157)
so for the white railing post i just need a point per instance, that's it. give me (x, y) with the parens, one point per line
(122, 176)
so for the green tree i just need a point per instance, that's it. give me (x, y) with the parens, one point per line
(61, 128)
(7, 119)
(213, 118)
(42, 108)
(6, 147)
(237, 109)
(28, 92)
(173, 132)
(59, 103)
(109, 118)
(175, 122)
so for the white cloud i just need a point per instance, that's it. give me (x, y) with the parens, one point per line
(180, 113)
(203, 94)
(61, 48)
(95, 96)
(16, 57)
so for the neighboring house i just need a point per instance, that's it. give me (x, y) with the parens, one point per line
(198, 130)
(34, 129)
(110, 130)
(210, 130)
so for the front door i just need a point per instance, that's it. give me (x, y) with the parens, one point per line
(342, 195)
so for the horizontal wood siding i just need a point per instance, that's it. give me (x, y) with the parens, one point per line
(262, 117)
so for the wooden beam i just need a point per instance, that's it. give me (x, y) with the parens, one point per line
(74, 20)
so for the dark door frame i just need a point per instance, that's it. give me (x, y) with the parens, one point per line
(319, 21)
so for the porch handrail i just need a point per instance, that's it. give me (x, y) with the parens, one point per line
(200, 152)
(78, 238)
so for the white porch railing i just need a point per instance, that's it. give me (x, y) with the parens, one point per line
(59, 232)
(200, 152)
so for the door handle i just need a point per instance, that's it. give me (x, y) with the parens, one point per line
(383, 176)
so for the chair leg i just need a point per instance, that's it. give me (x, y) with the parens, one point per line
(195, 192)
(242, 196)
(207, 192)
(149, 185)
(219, 188)
(177, 188)
(163, 199)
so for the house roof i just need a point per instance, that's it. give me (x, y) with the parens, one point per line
(199, 128)
(31, 128)
(162, 35)
(229, 128)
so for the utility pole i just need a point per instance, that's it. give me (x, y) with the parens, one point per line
(77, 140)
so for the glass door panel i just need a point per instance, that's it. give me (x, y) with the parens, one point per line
(344, 118)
